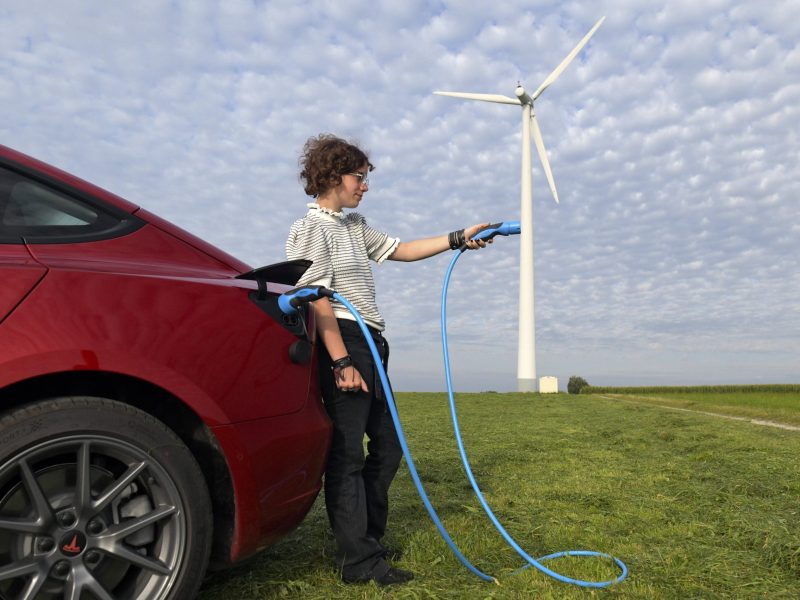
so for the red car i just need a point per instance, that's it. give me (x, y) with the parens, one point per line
(157, 410)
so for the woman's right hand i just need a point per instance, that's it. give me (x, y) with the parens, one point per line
(349, 379)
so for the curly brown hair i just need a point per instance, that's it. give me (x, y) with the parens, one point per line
(325, 159)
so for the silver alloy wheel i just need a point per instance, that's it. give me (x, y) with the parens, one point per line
(88, 513)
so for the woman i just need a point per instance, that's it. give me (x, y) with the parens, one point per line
(336, 174)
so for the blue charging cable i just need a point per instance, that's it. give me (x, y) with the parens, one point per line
(509, 228)
(289, 303)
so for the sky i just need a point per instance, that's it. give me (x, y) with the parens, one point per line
(673, 257)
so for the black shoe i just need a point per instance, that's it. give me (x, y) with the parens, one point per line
(394, 576)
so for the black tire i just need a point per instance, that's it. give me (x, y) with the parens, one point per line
(101, 499)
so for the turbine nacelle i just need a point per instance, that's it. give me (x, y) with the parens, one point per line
(523, 96)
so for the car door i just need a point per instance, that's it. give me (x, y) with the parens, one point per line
(31, 212)
(19, 274)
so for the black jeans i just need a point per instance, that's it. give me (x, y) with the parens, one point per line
(356, 489)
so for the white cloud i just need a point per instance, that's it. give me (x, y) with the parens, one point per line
(672, 138)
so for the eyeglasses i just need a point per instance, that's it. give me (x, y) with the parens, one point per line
(363, 178)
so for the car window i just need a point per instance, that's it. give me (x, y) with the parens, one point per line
(36, 212)
(31, 205)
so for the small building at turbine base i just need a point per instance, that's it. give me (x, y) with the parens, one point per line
(548, 385)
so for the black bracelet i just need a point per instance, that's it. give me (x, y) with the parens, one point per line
(342, 363)
(456, 239)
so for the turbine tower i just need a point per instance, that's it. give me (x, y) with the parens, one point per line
(526, 353)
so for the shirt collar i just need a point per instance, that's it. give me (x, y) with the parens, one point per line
(323, 210)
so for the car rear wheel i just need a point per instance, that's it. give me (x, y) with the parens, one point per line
(98, 500)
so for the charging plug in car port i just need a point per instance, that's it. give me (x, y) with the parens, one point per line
(294, 324)
(287, 273)
(300, 349)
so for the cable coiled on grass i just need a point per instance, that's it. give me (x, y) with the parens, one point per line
(535, 562)
(418, 483)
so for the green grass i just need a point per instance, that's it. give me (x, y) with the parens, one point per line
(783, 407)
(678, 389)
(696, 506)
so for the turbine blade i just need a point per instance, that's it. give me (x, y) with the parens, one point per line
(484, 97)
(537, 138)
(565, 63)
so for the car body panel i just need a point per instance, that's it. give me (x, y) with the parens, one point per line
(193, 241)
(270, 452)
(135, 325)
(147, 251)
(20, 274)
(155, 304)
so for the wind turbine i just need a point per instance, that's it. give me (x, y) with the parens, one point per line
(526, 353)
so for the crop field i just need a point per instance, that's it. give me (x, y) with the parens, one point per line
(696, 505)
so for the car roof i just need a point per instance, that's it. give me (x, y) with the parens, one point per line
(34, 166)
(30, 163)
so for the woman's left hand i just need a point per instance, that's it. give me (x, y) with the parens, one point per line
(475, 244)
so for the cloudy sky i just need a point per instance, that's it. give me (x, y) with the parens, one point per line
(673, 257)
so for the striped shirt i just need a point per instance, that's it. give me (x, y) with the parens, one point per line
(340, 247)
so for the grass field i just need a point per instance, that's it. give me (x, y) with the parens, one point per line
(696, 506)
(771, 406)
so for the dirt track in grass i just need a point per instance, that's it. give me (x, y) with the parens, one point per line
(762, 422)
